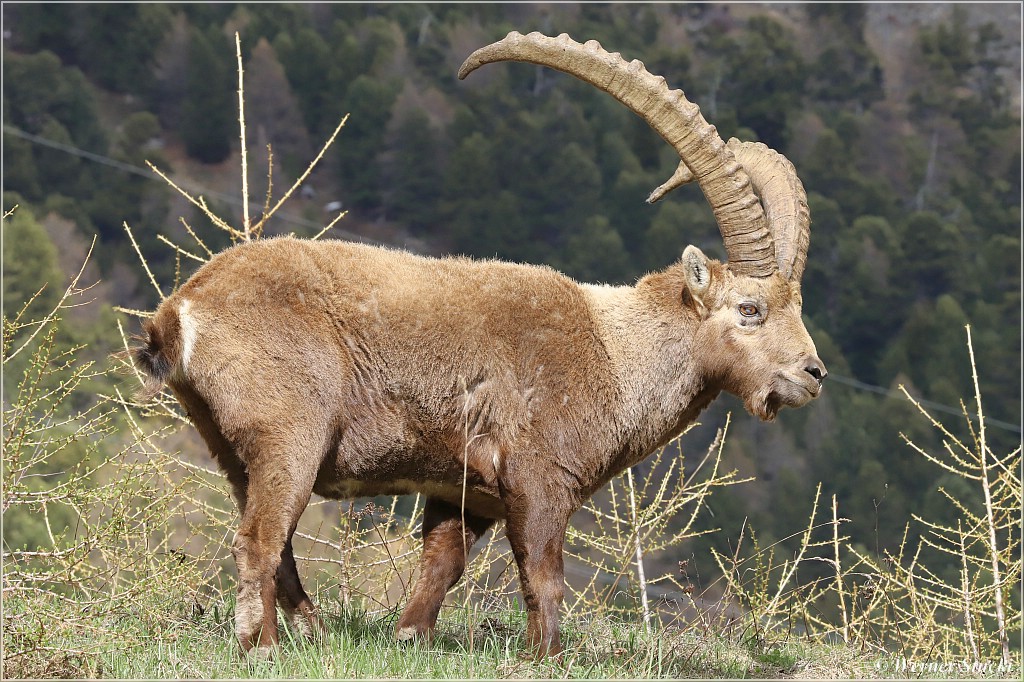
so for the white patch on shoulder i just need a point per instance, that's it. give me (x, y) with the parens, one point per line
(189, 331)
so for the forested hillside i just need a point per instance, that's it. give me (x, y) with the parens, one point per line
(903, 122)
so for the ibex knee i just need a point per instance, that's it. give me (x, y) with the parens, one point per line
(253, 558)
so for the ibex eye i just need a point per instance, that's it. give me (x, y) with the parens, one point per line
(748, 310)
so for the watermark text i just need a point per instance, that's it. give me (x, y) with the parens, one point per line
(901, 664)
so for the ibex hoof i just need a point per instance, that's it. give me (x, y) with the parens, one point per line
(259, 654)
(408, 633)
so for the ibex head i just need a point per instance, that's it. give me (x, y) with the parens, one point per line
(755, 343)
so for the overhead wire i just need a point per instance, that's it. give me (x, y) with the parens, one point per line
(184, 184)
(931, 404)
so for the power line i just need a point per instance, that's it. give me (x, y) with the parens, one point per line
(939, 407)
(195, 190)
(232, 199)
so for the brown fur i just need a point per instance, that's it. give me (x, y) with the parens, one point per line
(342, 370)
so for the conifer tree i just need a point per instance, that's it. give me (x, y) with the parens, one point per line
(207, 113)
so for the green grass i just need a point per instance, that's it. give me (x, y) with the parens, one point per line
(202, 646)
(356, 645)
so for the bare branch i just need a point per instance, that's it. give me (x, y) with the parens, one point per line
(241, 128)
(305, 174)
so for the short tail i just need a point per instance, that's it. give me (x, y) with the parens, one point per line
(157, 356)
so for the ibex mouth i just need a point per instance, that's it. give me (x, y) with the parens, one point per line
(784, 391)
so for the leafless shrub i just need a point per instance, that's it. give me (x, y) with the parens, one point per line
(897, 601)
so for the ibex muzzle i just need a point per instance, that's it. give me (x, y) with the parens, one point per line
(346, 370)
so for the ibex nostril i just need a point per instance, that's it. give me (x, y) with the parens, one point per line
(816, 370)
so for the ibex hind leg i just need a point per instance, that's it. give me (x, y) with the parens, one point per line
(292, 598)
(445, 547)
(251, 616)
(298, 608)
(280, 484)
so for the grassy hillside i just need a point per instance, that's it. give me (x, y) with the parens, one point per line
(358, 646)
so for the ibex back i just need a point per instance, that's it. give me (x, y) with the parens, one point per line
(348, 370)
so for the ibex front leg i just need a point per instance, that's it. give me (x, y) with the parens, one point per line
(536, 530)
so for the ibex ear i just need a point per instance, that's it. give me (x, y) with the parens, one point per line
(698, 275)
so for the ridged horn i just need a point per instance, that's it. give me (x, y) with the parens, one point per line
(726, 186)
(785, 203)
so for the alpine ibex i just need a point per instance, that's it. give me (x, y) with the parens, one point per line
(348, 370)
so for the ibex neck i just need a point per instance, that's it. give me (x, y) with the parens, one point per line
(660, 382)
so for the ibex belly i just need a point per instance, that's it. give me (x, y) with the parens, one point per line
(383, 456)
(478, 501)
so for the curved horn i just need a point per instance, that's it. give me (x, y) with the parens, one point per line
(785, 203)
(726, 186)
